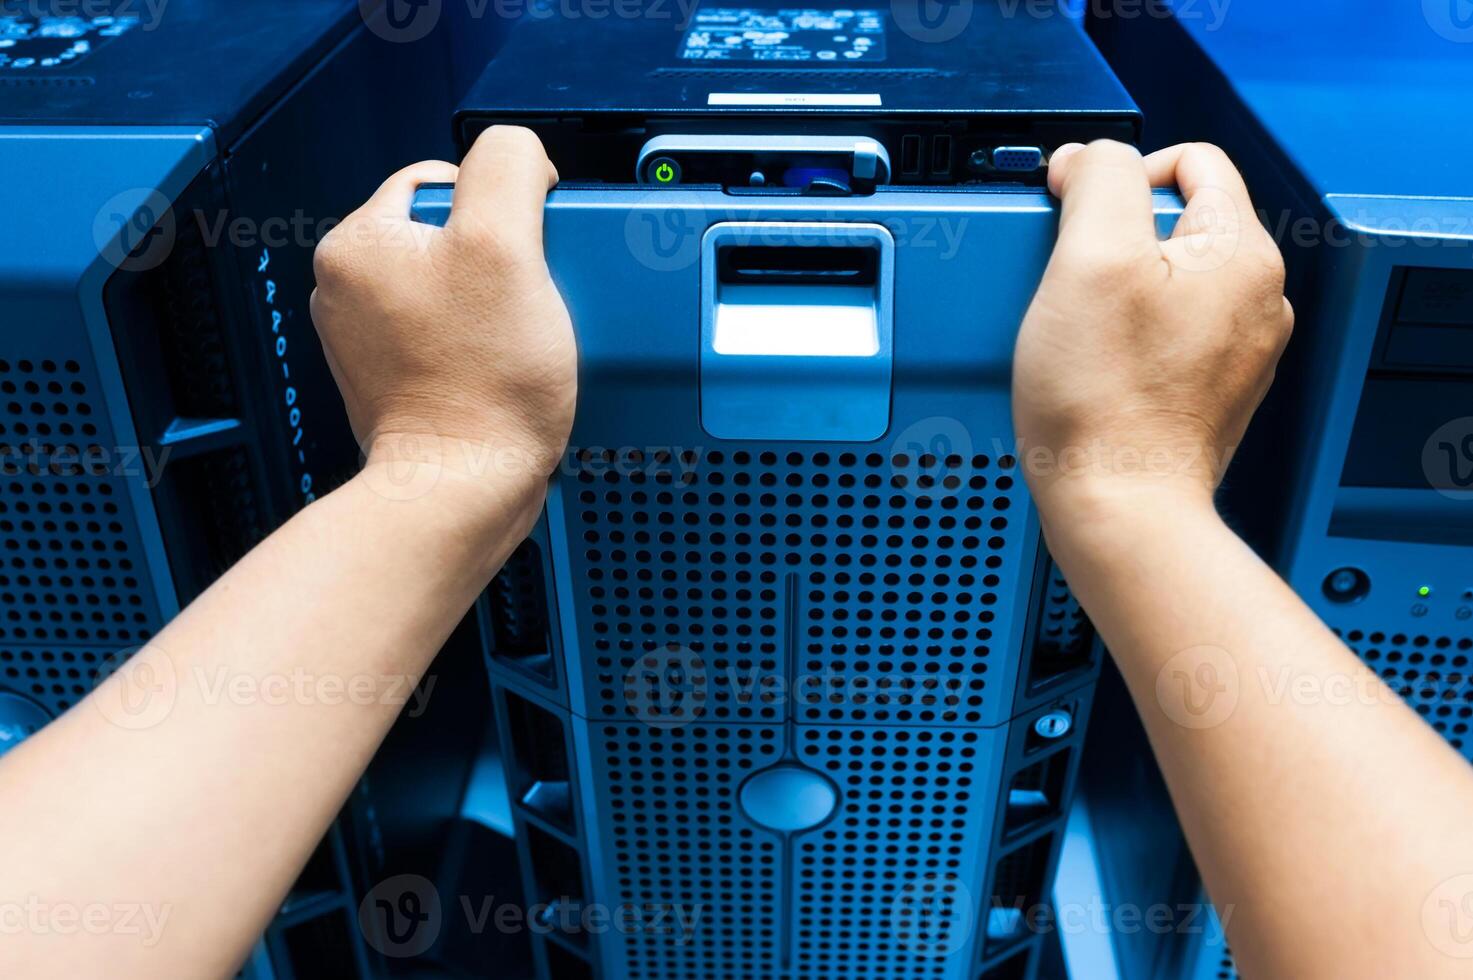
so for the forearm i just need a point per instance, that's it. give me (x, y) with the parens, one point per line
(1289, 762)
(203, 797)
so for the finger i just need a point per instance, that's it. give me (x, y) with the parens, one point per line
(1106, 195)
(504, 180)
(1217, 199)
(395, 196)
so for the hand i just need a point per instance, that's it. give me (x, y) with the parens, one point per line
(1140, 363)
(452, 337)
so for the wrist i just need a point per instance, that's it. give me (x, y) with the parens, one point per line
(477, 485)
(1104, 514)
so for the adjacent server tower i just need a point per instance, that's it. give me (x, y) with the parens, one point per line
(164, 403)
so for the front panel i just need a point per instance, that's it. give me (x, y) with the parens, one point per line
(801, 707)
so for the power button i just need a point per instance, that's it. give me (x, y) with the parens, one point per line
(662, 170)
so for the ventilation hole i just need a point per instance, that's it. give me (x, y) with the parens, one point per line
(69, 558)
(895, 569)
(1434, 675)
(54, 678)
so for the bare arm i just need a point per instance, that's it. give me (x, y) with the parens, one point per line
(193, 785)
(1323, 811)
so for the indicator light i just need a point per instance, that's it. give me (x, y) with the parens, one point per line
(663, 170)
(1424, 591)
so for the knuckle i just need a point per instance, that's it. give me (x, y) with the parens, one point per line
(1206, 153)
(1264, 267)
(329, 259)
(488, 242)
(1114, 270)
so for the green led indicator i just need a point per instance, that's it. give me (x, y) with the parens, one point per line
(664, 173)
(1424, 591)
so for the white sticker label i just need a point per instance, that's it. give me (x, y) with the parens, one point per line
(793, 98)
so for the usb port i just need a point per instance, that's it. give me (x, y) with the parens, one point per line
(910, 155)
(941, 156)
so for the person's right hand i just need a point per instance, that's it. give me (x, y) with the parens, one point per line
(1140, 363)
(453, 341)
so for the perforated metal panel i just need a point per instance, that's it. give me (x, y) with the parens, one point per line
(881, 889)
(1434, 674)
(893, 568)
(856, 617)
(72, 561)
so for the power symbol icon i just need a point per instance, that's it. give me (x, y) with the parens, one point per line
(665, 171)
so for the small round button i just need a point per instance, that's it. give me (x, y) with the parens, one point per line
(1346, 585)
(663, 170)
(788, 798)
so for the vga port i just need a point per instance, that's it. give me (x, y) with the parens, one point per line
(1017, 159)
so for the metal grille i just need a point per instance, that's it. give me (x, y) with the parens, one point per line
(69, 562)
(1434, 674)
(1064, 630)
(878, 890)
(881, 889)
(54, 678)
(677, 836)
(884, 574)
